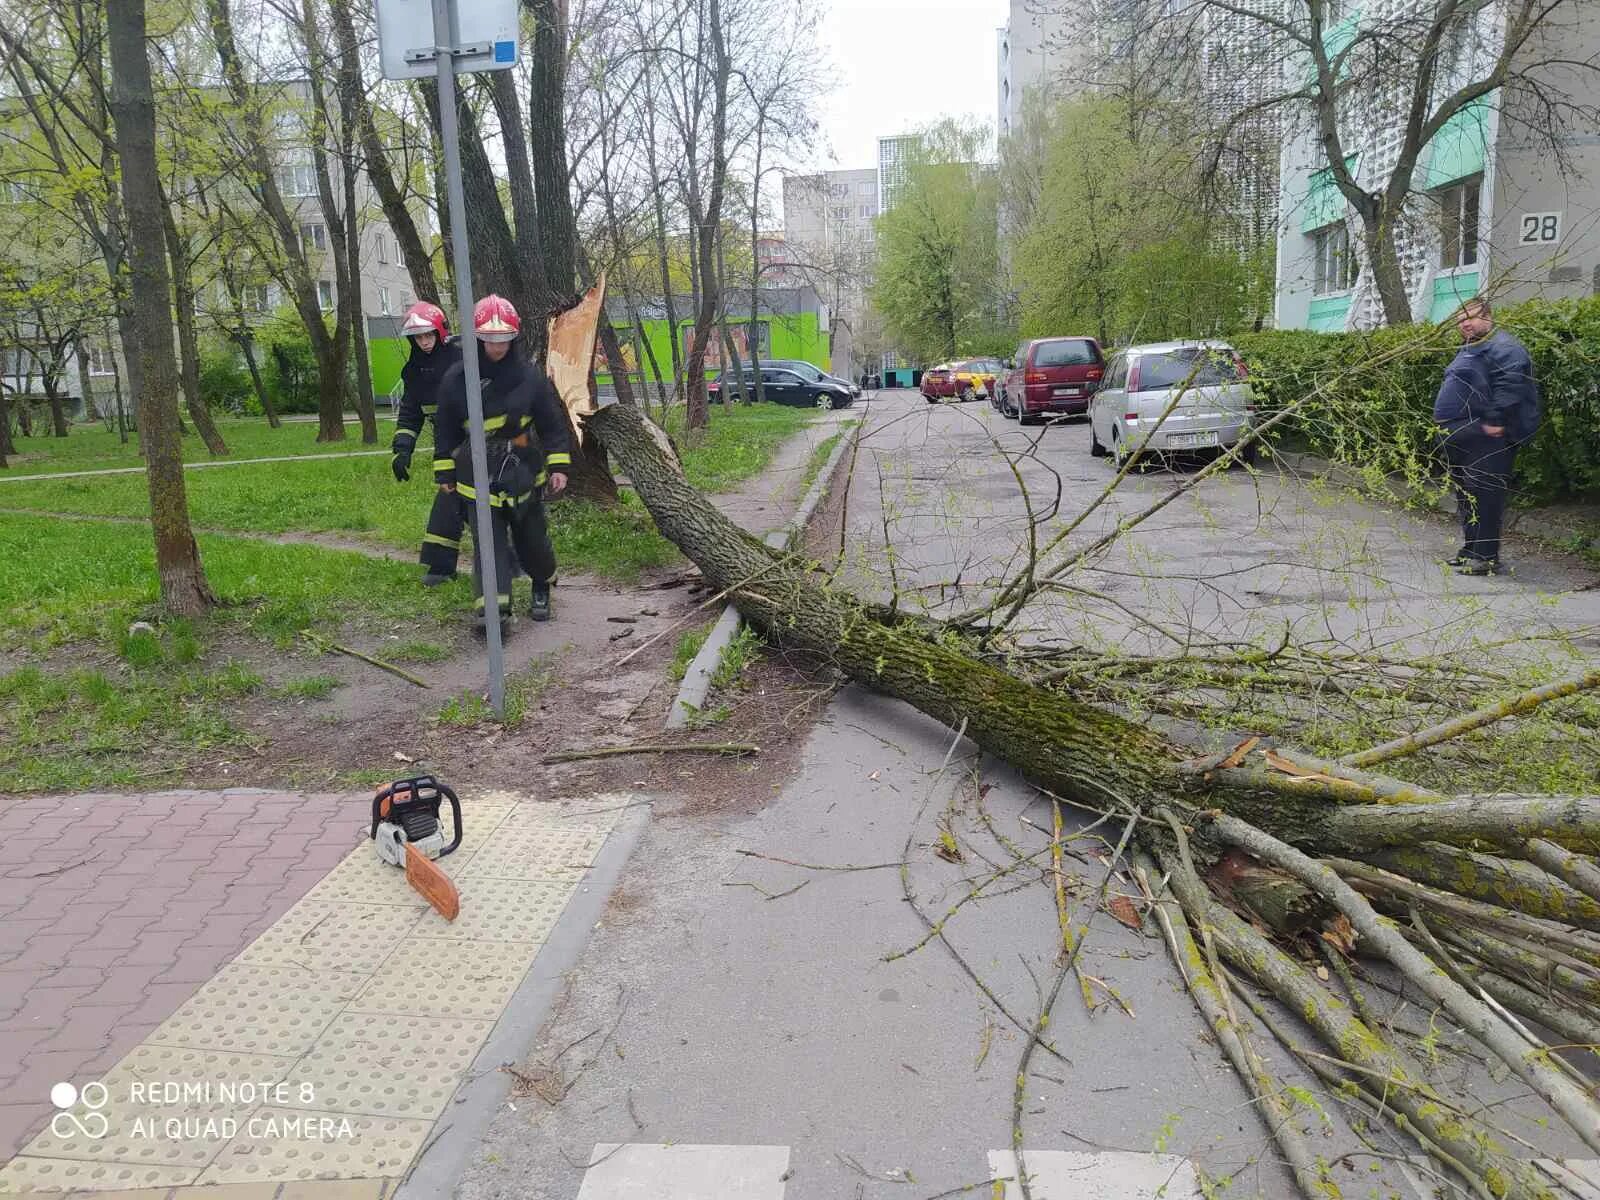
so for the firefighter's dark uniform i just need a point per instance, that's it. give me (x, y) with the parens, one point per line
(422, 375)
(527, 438)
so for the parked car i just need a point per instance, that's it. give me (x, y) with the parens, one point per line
(1051, 375)
(976, 377)
(937, 384)
(810, 372)
(780, 385)
(1203, 384)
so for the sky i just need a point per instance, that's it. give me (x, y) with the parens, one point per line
(900, 64)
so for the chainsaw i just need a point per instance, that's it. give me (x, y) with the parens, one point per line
(407, 833)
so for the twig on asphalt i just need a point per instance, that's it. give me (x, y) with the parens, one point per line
(789, 862)
(323, 645)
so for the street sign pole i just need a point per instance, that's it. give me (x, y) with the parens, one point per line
(483, 530)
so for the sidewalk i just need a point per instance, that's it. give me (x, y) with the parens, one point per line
(240, 993)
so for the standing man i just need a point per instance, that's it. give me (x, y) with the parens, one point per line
(433, 352)
(1488, 405)
(529, 448)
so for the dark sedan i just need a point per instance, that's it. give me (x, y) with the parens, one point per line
(782, 386)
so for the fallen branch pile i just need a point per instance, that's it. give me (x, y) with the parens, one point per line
(1257, 862)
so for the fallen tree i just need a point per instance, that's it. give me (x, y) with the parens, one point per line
(1484, 904)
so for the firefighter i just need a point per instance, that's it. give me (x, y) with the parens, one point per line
(433, 352)
(529, 450)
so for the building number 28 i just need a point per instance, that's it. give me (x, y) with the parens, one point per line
(1541, 228)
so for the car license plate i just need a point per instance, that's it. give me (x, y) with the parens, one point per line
(1069, 391)
(1186, 441)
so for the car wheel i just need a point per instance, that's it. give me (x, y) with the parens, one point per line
(1096, 450)
(931, 399)
(824, 402)
(1248, 455)
(966, 393)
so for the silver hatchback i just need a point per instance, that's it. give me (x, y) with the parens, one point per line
(1171, 398)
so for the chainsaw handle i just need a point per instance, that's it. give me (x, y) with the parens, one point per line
(455, 814)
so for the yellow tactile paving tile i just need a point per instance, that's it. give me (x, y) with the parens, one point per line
(342, 1096)
(329, 1145)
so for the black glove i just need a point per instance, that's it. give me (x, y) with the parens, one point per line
(401, 465)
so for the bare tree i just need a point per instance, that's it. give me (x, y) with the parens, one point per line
(1425, 63)
(184, 590)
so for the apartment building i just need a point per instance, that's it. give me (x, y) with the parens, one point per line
(829, 239)
(1503, 203)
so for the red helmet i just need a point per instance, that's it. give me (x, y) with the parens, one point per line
(423, 317)
(494, 319)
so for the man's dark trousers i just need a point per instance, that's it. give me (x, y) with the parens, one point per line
(519, 527)
(1480, 471)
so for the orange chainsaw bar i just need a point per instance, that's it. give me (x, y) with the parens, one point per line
(432, 884)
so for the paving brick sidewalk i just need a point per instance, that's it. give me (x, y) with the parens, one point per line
(115, 909)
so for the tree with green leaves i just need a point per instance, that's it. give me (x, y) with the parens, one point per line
(184, 590)
(1116, 246)
(938, 273)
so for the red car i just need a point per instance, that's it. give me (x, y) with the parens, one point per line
(938, 383)
(1052, 375)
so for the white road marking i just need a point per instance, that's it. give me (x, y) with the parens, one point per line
(676, 1172)
(1105, 1175)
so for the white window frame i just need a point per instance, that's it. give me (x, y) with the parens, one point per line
(256, 297)
(297, 180)
(383, 249)
(1335, 265)
(325, 296)
(313, 236)
(1460, 240)
(383, 301)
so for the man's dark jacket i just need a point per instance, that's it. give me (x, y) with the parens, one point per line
(422, 374)
(1490, 382)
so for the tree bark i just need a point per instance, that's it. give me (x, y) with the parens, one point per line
(116, 392)
(328, 349)
(80, 354)
(1384, 261)
(184, 590)
(419, 265)
(7, 446)
(247, 347)
(709, 221)
(188, 343)
(591, 476)
(58, 410)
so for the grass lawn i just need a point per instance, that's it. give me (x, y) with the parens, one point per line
(93, 447)
(86, 704)
(738, 443)
(135, 706)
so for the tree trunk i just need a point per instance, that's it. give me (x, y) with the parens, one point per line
(591, 476)
(709, 222)
(1383, 260)
(24, 417)
(116, 392)
(524, 197)
(58, 410)
(184, 590)
(188, 344)
(247, 347)
(7, 446)
(90, 413)
(366, 409)
(409, 242)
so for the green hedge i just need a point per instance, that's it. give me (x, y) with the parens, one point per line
(1371, 394)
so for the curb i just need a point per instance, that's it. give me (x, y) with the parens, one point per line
(697, 679)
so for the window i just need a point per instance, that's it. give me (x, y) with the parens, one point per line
(313, 236)
(325, 294)
(256, 297)
(383, 301)
(99, 358)
(866, 187)
(1336, 265)
(383, 253)
(1190, 367)
(866, 212)
(298, 180)
(1117, 373)
(1069, 352)
(1458, 224)
(841, 212)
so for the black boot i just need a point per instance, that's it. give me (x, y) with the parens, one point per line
(540, 608)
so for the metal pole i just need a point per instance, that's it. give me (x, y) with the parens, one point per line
(483, 529)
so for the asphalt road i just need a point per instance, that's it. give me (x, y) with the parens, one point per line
(741, 1028)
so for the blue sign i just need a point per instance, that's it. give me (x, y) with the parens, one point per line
(505, 52)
